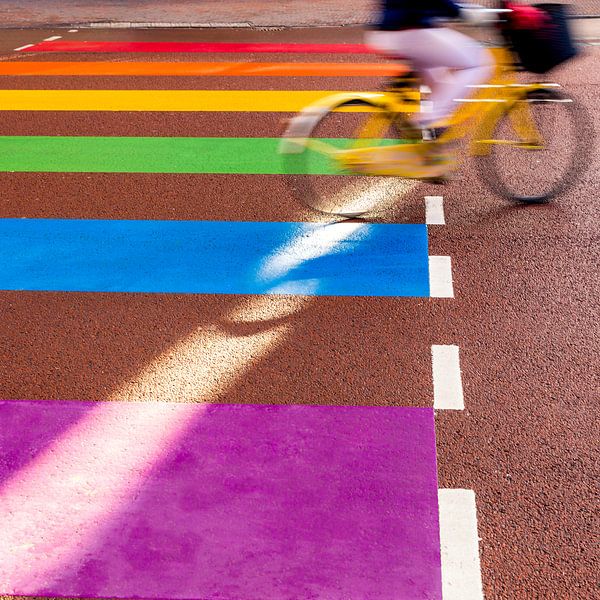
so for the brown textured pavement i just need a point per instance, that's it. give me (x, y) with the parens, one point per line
(270, 13)
(525, 318)
(255, 12)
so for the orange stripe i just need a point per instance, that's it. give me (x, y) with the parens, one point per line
(201, 68)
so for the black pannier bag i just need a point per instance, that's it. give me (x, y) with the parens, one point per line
(540, 50)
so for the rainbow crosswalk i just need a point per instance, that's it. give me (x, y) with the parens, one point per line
(199, 69)
(250, 502)
(192, 498)
(198, 47)
(163, 100)
(211, 155)
(208, 257)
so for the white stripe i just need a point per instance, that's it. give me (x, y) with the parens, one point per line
(513, 85)
(447, 382)
(536, 100)
(461, 570)
(23, 47)
(480, 100)
(53, 38)
(494, 85)
(434, 210)
(440, 277)
(162, 25)
(73, 30)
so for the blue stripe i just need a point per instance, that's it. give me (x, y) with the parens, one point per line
(207, 257)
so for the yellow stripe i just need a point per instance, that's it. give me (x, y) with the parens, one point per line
(161, 100)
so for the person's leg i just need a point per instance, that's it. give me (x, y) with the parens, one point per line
(447, 61)
(463, 62)
(389, 43)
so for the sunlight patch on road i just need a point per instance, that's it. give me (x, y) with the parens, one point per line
(313, 242)
(365, 196)
(203, 366)
(56, 506)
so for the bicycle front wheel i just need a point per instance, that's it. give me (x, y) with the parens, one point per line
(538, 150)
(316, 173)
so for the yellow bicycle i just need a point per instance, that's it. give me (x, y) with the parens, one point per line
(527, 140)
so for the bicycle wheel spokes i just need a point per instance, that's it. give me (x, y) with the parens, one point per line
(326, 175)
(536, 152)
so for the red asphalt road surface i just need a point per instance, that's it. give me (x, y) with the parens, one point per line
(525, 314)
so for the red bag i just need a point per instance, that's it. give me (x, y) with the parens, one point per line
(539, 35)
(527, 17)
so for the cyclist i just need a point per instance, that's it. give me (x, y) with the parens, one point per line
(447, 61)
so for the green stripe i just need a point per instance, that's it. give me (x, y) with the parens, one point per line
(151, 155)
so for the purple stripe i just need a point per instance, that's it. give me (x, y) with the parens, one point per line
(241, 501)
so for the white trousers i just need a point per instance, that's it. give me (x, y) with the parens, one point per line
(447, 61)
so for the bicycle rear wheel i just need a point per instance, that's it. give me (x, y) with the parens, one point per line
(534, 171)
(316, 176)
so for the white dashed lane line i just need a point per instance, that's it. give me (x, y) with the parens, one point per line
(461, 568)
(48, 39)
(459, 539)
(447, 380)
(440, 277)
(434, 210)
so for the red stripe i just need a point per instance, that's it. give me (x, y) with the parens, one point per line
(74, 46)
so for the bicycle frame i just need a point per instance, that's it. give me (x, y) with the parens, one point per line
(476, 118)
(499, 96)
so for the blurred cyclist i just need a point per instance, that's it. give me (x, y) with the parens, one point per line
(447, 61)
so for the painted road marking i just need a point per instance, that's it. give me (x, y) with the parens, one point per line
(213, 257)
(165, 100)
(447, 381)
(53, 38)
(81, 154)
(461, 570)
(434, 210)
(440, 277)
(363, 500)
(23, 47)
(193, 47)
(195, 69)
